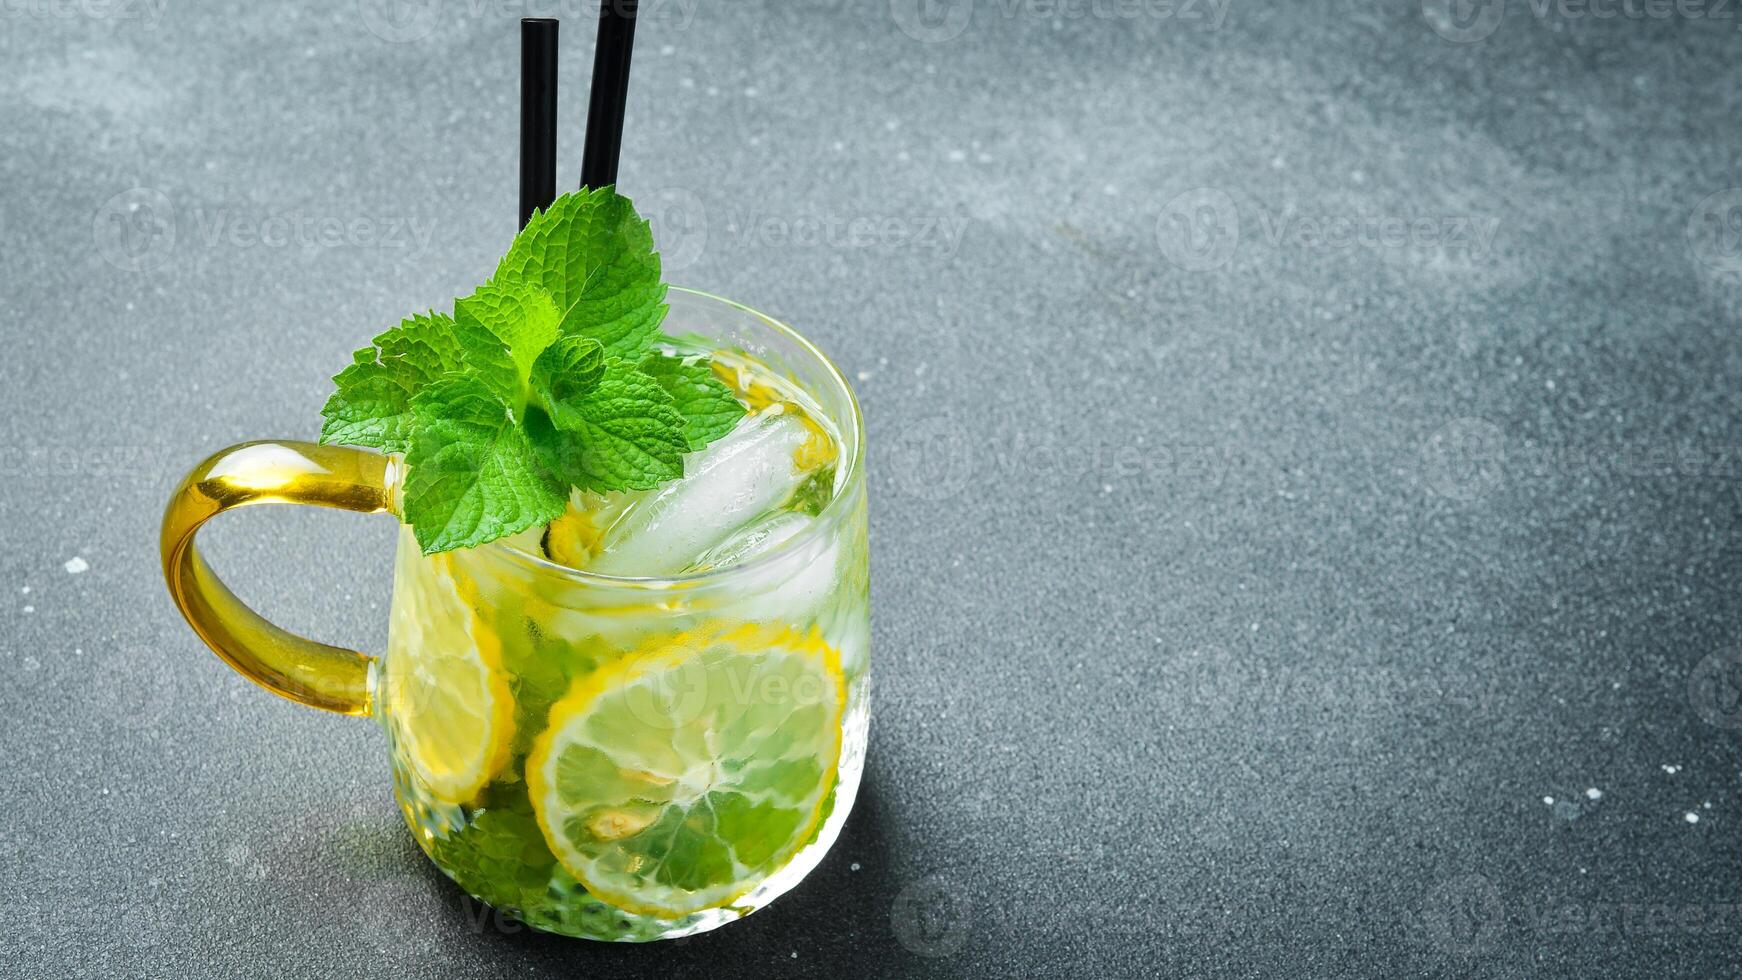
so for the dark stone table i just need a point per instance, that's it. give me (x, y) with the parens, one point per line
(1305, 446)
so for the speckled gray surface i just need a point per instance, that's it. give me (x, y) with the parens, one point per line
(1305, 444)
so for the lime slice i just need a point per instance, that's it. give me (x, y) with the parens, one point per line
(447, 702)
(678, 778)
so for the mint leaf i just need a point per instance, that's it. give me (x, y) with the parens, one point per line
(708, 407)
(422, 348)
(542, 380)
(371, 403)
(504, 326)
(594, 255)
(570, 367)
(621, 434)
(371, 407)
(471, 474)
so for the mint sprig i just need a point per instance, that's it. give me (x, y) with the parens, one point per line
(545, 379)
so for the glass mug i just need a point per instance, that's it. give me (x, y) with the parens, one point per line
(609, 758)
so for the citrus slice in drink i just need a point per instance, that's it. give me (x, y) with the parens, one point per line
(447, 701)
(678, 778)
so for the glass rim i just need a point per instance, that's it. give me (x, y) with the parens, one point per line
(830, 515)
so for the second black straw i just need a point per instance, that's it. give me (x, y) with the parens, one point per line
(610, 91)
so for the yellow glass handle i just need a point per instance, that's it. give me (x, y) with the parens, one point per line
(302, 670)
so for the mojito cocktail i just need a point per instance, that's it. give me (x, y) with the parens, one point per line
(648, 716)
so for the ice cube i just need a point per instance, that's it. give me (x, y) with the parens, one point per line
(754, 539)
(728, 484)
(790, 589)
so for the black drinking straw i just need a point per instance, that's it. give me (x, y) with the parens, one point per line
(537, 115)
(610, 89)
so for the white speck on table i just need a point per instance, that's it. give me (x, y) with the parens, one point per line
(76, 564)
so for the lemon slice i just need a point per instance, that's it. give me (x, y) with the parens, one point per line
(448, 704)
(678, 778)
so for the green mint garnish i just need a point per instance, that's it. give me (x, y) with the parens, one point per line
(708, 407)
(544, 379)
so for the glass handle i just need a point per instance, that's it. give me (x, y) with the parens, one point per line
(316, 674)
